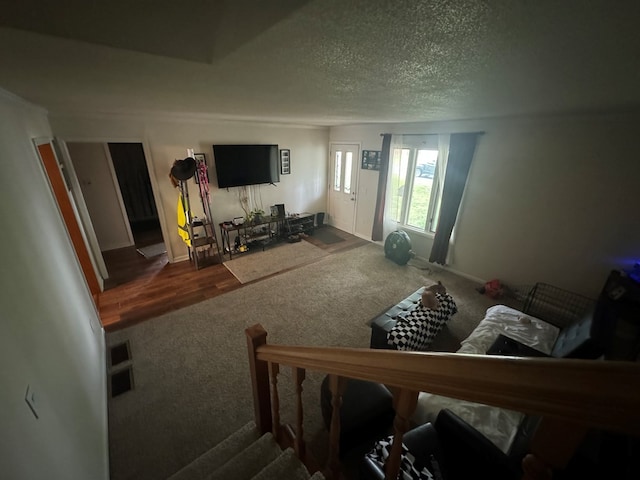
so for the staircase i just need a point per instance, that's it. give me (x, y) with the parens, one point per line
(245, 455)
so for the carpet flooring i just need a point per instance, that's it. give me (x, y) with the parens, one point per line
(191, 375)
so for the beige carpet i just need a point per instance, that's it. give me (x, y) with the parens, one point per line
(190, 368)
(278, 258)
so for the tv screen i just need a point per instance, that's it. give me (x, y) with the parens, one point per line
(238, 165)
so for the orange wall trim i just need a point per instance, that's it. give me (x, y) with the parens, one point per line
(62, 198)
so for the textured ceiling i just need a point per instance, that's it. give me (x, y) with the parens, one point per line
(325, 62)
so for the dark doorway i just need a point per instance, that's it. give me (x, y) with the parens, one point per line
(135, 186)
(148, 255)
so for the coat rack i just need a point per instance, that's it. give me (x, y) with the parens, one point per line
(198, 233)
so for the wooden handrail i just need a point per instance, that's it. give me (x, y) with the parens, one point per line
(600, 394)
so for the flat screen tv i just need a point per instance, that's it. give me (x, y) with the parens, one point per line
(238, 165)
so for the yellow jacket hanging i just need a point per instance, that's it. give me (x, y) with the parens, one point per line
(183, 227)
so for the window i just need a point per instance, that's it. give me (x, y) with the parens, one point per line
(338, 172)
(415, 186)
(347, 172)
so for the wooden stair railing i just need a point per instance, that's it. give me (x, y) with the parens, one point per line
(571, 395)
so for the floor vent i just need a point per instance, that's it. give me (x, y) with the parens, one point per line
(121, 381)
(120, 353)
(120, 369)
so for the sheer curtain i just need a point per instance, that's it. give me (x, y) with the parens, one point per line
(390, 224)
(394, 177)
(384, 222)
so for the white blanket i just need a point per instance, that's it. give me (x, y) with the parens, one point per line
(498, 425)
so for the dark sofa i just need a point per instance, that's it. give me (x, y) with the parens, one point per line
(585, 326)
(452, 450)
(585, 332)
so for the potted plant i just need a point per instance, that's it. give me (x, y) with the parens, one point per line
(256, 215)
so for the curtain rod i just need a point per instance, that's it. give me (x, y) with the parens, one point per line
(433, 133)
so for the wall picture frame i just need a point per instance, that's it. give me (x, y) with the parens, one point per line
(201, 158)
(285, 161)
(371, 159)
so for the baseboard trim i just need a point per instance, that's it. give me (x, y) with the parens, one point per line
(451, 270)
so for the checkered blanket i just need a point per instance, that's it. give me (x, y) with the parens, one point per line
(408, 470)
(417, 329)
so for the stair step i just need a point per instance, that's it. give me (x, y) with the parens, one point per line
(247, 463)
(287, 465)
(245, 455)
(213, 459)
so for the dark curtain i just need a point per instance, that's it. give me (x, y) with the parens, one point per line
(461, 149)
(378, 221)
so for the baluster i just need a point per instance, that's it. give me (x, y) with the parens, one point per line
(337, 386)
(274, 369)
(405, 402)
(298, 377)
(552, 446)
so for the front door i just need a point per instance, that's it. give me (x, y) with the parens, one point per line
(342, 186)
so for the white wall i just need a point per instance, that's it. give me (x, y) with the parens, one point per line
(548, 199)
(50, 334)
(167, 138)
(100, 193)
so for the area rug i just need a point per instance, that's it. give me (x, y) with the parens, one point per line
(326, 236)
(279, 258)
(154, 250)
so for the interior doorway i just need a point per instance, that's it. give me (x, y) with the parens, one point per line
(116, 187)
(131, 171)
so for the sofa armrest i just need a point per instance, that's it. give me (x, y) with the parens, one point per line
(380, 327)
(369, 470)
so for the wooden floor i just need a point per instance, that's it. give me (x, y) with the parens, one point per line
(139, 288)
